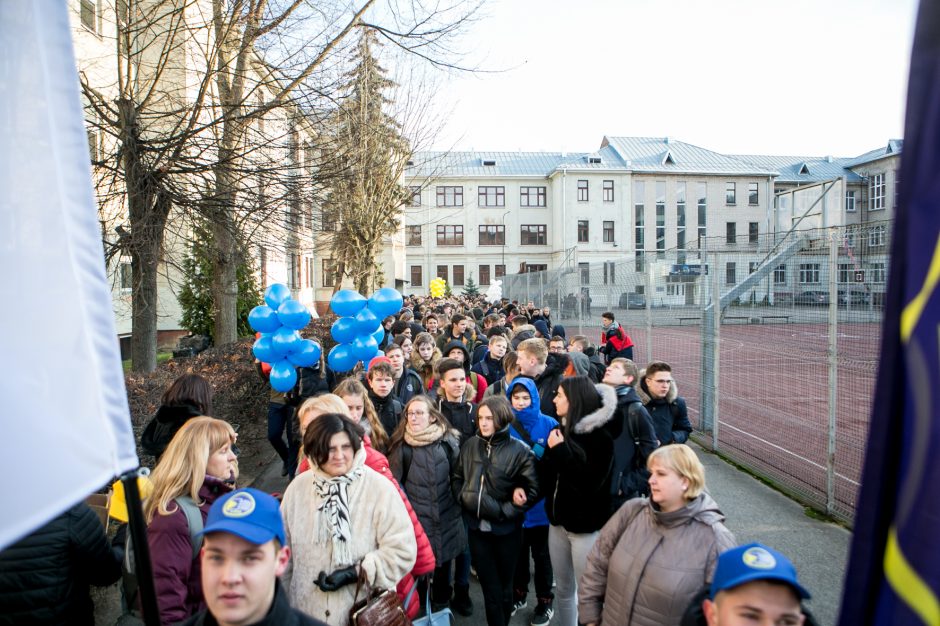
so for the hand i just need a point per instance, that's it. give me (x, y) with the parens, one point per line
(555, 437)
(339, 578)
(518, 496)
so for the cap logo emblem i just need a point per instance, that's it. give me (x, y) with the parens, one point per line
(759, 558)
(239, 505)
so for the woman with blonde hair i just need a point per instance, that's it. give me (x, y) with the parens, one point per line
(330, 403)
(654, 554)
(361, 410)
(197, 468)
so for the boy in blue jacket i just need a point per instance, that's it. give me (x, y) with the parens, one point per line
(532, 427)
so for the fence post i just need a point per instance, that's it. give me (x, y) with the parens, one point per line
(833, 353)
(716, 357)
(649, 312)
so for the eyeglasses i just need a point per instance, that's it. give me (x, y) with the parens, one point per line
(415, 414)
(663, 382)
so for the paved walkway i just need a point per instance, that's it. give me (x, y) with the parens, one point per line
(754, 512)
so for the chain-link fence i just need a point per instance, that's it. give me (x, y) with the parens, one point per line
(778, 376)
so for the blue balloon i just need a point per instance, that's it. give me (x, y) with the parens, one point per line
(343, 330)
(293, 314)
(283, 376)
(307, 355)
(284, 341)
(386, 301)
(341, 358)
(276, 294)
(263, 319)
(347, 302)
(366, 322)
(364, 347)
(264, 351)
(379, 335)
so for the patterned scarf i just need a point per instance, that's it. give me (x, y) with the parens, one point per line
(335, 508)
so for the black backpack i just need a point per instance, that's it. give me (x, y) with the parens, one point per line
(310, 382)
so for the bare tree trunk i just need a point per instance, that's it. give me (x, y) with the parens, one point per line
(226, 255)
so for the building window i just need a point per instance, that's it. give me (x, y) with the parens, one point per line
(608, 232)
(876, 272)
(89, 14)
(752, 267)
(491, 196)
(413, 235)
(532, 196)
(416, 279)
(809, 273)
(639, 216)
(850, 238)
(876, 192)
(845, 272)
(584, 269)
(308, 271)
(608, 191)
(731, 235)
(458, 274)
(582, 191)
(294, 271)
(532, 268)
(780, 275)
(876, 236)
(415, 196)
(702, 195)
(450, 196)
(534, 234)
(449, 235)
(680, 216)
(850, 201)
(610, 272)
(126, 275)
(330, 271)
(442, 271)
(753, 232)
(753, 197)
(730, 194)
(583, 232)
(660, 219)
(730, 271)
(492, 235)
(484, 274)
(499, 271)
(897, 187)
(640, 262)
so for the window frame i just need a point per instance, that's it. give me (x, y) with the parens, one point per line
(458, 271)
(876, 192)
(452, 195)
(584, 190)
(540, 233)
(483, 196)
(809, 273)
(484, 271)
(584, 231)
(413, 235)
(498, 232)
(607, 187)
(731, 194)
(753, 194)
(608, 231)
(731, 233)
(415, 199)
(420, 275)
(525, 197)
(442, 235)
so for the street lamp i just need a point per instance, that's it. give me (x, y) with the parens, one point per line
(504, 241)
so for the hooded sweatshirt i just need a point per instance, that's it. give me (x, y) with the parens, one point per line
(670, 415)
(538, 425)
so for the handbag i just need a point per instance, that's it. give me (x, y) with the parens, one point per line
(444, 617)
(378, 608)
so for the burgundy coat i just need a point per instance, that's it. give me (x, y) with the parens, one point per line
(176, 575)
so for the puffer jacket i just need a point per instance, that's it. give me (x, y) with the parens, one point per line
(646, 565)
(428, 487)
(461, 415)
(44, 577)
(538, 426)
(177, 576)
(576, 474)
(526, 331)
(160, 430)
(670, 415)
(487, 472)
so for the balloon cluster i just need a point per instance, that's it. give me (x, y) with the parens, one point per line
(280, 343)
(359, 331)
(495, 292)
(438, 286)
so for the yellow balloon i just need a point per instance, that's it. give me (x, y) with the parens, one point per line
(118, 507)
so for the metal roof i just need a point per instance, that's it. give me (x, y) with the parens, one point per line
(803, 169)
(648, 154)
(467, 164)
(894, 147)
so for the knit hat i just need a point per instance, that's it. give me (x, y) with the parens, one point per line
(581, 363)
(542, 326)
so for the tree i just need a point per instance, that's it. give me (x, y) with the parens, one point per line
(470, 288)
(366, 194)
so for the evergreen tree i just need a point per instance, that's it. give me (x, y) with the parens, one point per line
(470, 288)
(366, 196)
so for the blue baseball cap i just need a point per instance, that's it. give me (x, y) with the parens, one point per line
(249, 513)
(754, 561)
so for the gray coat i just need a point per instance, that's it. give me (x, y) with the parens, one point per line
(428, 488)
(646, 565)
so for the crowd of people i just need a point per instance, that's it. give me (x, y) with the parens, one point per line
(483, 441)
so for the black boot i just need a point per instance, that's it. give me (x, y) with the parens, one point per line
(461, 602)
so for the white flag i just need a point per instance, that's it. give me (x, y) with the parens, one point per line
(64, 422)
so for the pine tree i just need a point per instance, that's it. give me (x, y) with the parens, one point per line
(470, 288)
(366, 195)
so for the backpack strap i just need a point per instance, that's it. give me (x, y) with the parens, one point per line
(406, 453)
(193, 522)
(526, 437)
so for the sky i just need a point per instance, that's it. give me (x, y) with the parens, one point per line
(781, 77)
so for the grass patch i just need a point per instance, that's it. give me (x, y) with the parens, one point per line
(162, 357)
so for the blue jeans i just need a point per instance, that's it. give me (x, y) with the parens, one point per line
(280, 417)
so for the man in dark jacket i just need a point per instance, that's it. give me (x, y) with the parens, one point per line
(546, 369)
(44, 577)
(460, 329)
(580, 343)
(637, 438)
(381, 382)
(407, 381)
(615, 342)
(244, 553)
(661, 398)
(491, 365)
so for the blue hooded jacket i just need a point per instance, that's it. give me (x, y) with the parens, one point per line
(539, 426)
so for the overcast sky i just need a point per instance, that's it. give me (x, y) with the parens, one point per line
(785, 77)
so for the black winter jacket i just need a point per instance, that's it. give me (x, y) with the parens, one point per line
(164, 424)
(461, 415)
(408, 386)
(44, 577)
(670, 415)
(634, 444)
(388, 409)
(488, 471)
(428, 487)
(549, 380)
(576, 474)
(280, 614)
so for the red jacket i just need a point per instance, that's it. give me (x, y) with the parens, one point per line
(424, 563)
